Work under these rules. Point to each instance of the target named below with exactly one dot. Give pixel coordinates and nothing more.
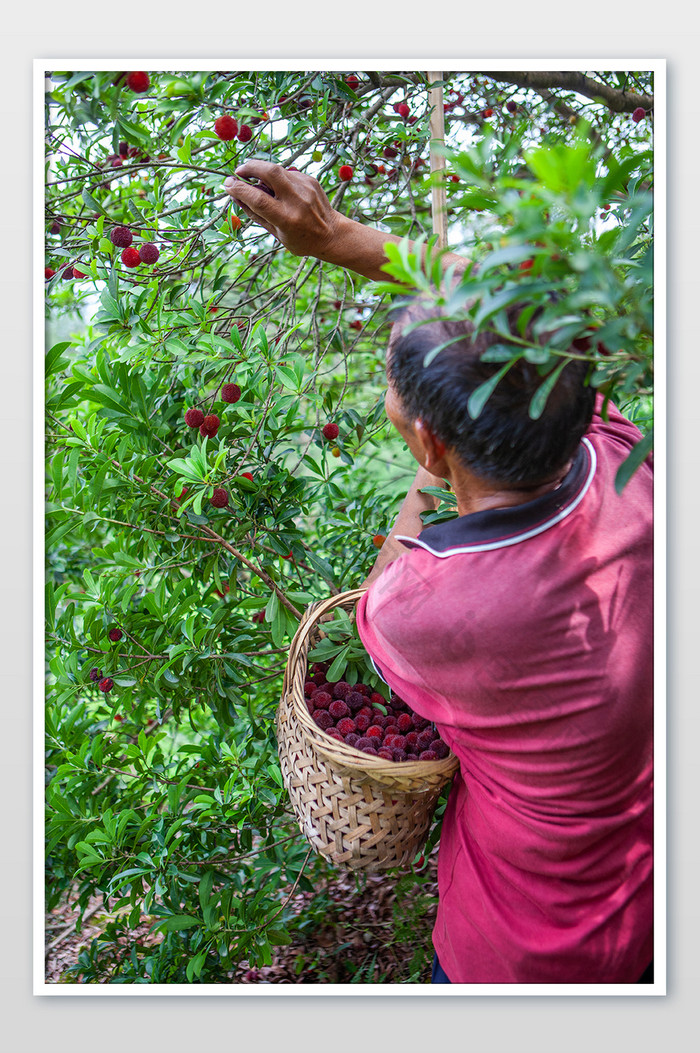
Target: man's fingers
(273, 175)
(249, 196)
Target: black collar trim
(501, 527)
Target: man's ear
(433, 447)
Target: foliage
(164, 793)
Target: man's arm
(408, 522)
(299, 214)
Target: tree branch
(615, 99)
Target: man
(523, 628)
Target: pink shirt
(526, 635)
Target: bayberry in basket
(321, 700)
(363, 689)
(441, 748)
(341, 689)
(425, 738)
(363, 741)
(362, 722)
(334, 734)
(428, 755)
(351, 739)
(309, 688)
(376, 699)
(323, 718)
(338, 709)
(369, 749)
(399, 755)
(385, 754)
(346, 725)
(374, 732)
(404, 722)
(412, 739)
(355, 701)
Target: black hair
(502, 444)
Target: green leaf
(634, 459)
(539, 399)
(92, 203)
(480, 396)
(54, 361)
(177, 922)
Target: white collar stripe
(486, 546)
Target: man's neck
(475, 494)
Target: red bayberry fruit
(138, 82)
(639, 114)
(131, 257)
(341, 689)
(115, 635)
(121, 237)
(106, 684)
(357, 324)
(398, 755)
(331, 431)
(95, 674)
(374, 731)
(346, 725)
(428, 755)
(235, 221)
(338, 709)
(210, 425)
(226, 127)
(194, 418)
(230, 393)
(309, 688)
(322, 699)
(378, 540)
(245, 133)
(351, 739)
(352, 82)
(67, 274)
(323, 719)
(404, 721)
(389, 152)
(48, 272)
(440, 748)
(219, 498)
(149, 252)
(248, 475)
(345, 173)
(488, 112)
(511, 106)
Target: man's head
(502, 445)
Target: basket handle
(311, 616)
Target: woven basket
(359, 811)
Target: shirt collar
(501, 527)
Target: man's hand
(298, 212)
